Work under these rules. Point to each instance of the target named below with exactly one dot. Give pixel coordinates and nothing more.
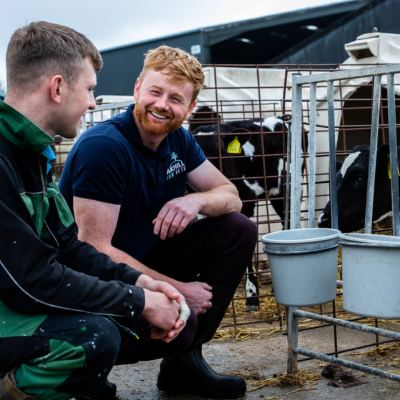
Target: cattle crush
(259, 92)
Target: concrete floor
(267, 356)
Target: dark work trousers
(70, 355)
(212, 250)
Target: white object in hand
(184, 311)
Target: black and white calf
(237, 167)
(352, 180)
(250, 167)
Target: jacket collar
(21, 131)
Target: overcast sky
(112, 23)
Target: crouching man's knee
(241, 230)
(82, 349)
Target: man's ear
(190, 110)
(57, 86)
(136, 89)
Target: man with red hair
(125, 179)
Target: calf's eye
(360, 180)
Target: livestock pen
(243, 92)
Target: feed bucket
(303, 264)
(371, 275)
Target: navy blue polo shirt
(109, 163)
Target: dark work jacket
(44, 268)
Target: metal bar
(393, 153)
(84, 127)
(349, 74)
(91, 119)
(332, 155)
(351, 349)
(372, 154)
(119, 104)
(335, 329)
(263, 151)
(218, 119)
(348, 364)
(295, 190)
(347, 324)
(310, 328)
(292, 323)
(288, 152)
(313, 121)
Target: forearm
(218, 201)
(120, 256)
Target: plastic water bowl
(371, 275)
(303, 264)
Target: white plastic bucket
(371, 275)
(303, 264)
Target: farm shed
(240, 92)
(259, 40)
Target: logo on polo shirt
(176, 167)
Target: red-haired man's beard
(156, 126)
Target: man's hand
(176, 214)
(198, 296)
(162, 314)
(172, 294)
(164, 287)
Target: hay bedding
(306, 379)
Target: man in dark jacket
(67, 312)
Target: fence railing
(292, 313)
(298, 82)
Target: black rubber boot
(188, 372)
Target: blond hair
(183, 66)
(40, 49)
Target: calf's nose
(324, 221)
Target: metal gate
(388, 71)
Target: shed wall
(329, 47)
(123, 65)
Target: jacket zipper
(44, 192)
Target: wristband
(184, 311)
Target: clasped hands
(165, 309)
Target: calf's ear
(243, 138)
(338, 165)
(382, 158)
(286, 117)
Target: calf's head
(352, 182)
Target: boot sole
(181, 388)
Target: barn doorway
(357, 113)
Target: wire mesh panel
(259, 94)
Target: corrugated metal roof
(218, 33)
(328, 45)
